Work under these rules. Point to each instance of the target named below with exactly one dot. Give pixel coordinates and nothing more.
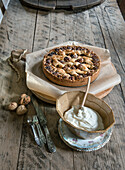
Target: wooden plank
(84, 27)
(50, 30)
(42, 33)
(108, 154)
(115, 39)
(91, 32)
(110, 36)
(111, 156)
(15, 31)
(79, 29)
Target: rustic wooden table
(21, 27)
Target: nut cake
(71, 65)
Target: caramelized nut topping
(57, 49)
(66, 59)
(80, 60)
(48, 60)
(73, 55)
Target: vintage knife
(43, 123)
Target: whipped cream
(84, 118)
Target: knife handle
(35, 134)
(50, 144)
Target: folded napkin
(36, 81)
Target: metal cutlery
(41, 135)
(29, 120)
(43, 123)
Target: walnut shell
(12, 106)
(21, 110)
(25, 99)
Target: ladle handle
(88, 85)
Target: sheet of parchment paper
(36, 80)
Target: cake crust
(71, 65)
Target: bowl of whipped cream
(88, 121)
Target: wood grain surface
(22, 27)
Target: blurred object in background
(121, 4)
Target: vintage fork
(41, 135)
(30, 122)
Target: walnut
(25, 99)
(21, 110)
(12, 106)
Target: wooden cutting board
(61, 4)
(51, 100)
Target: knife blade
(43, 123)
